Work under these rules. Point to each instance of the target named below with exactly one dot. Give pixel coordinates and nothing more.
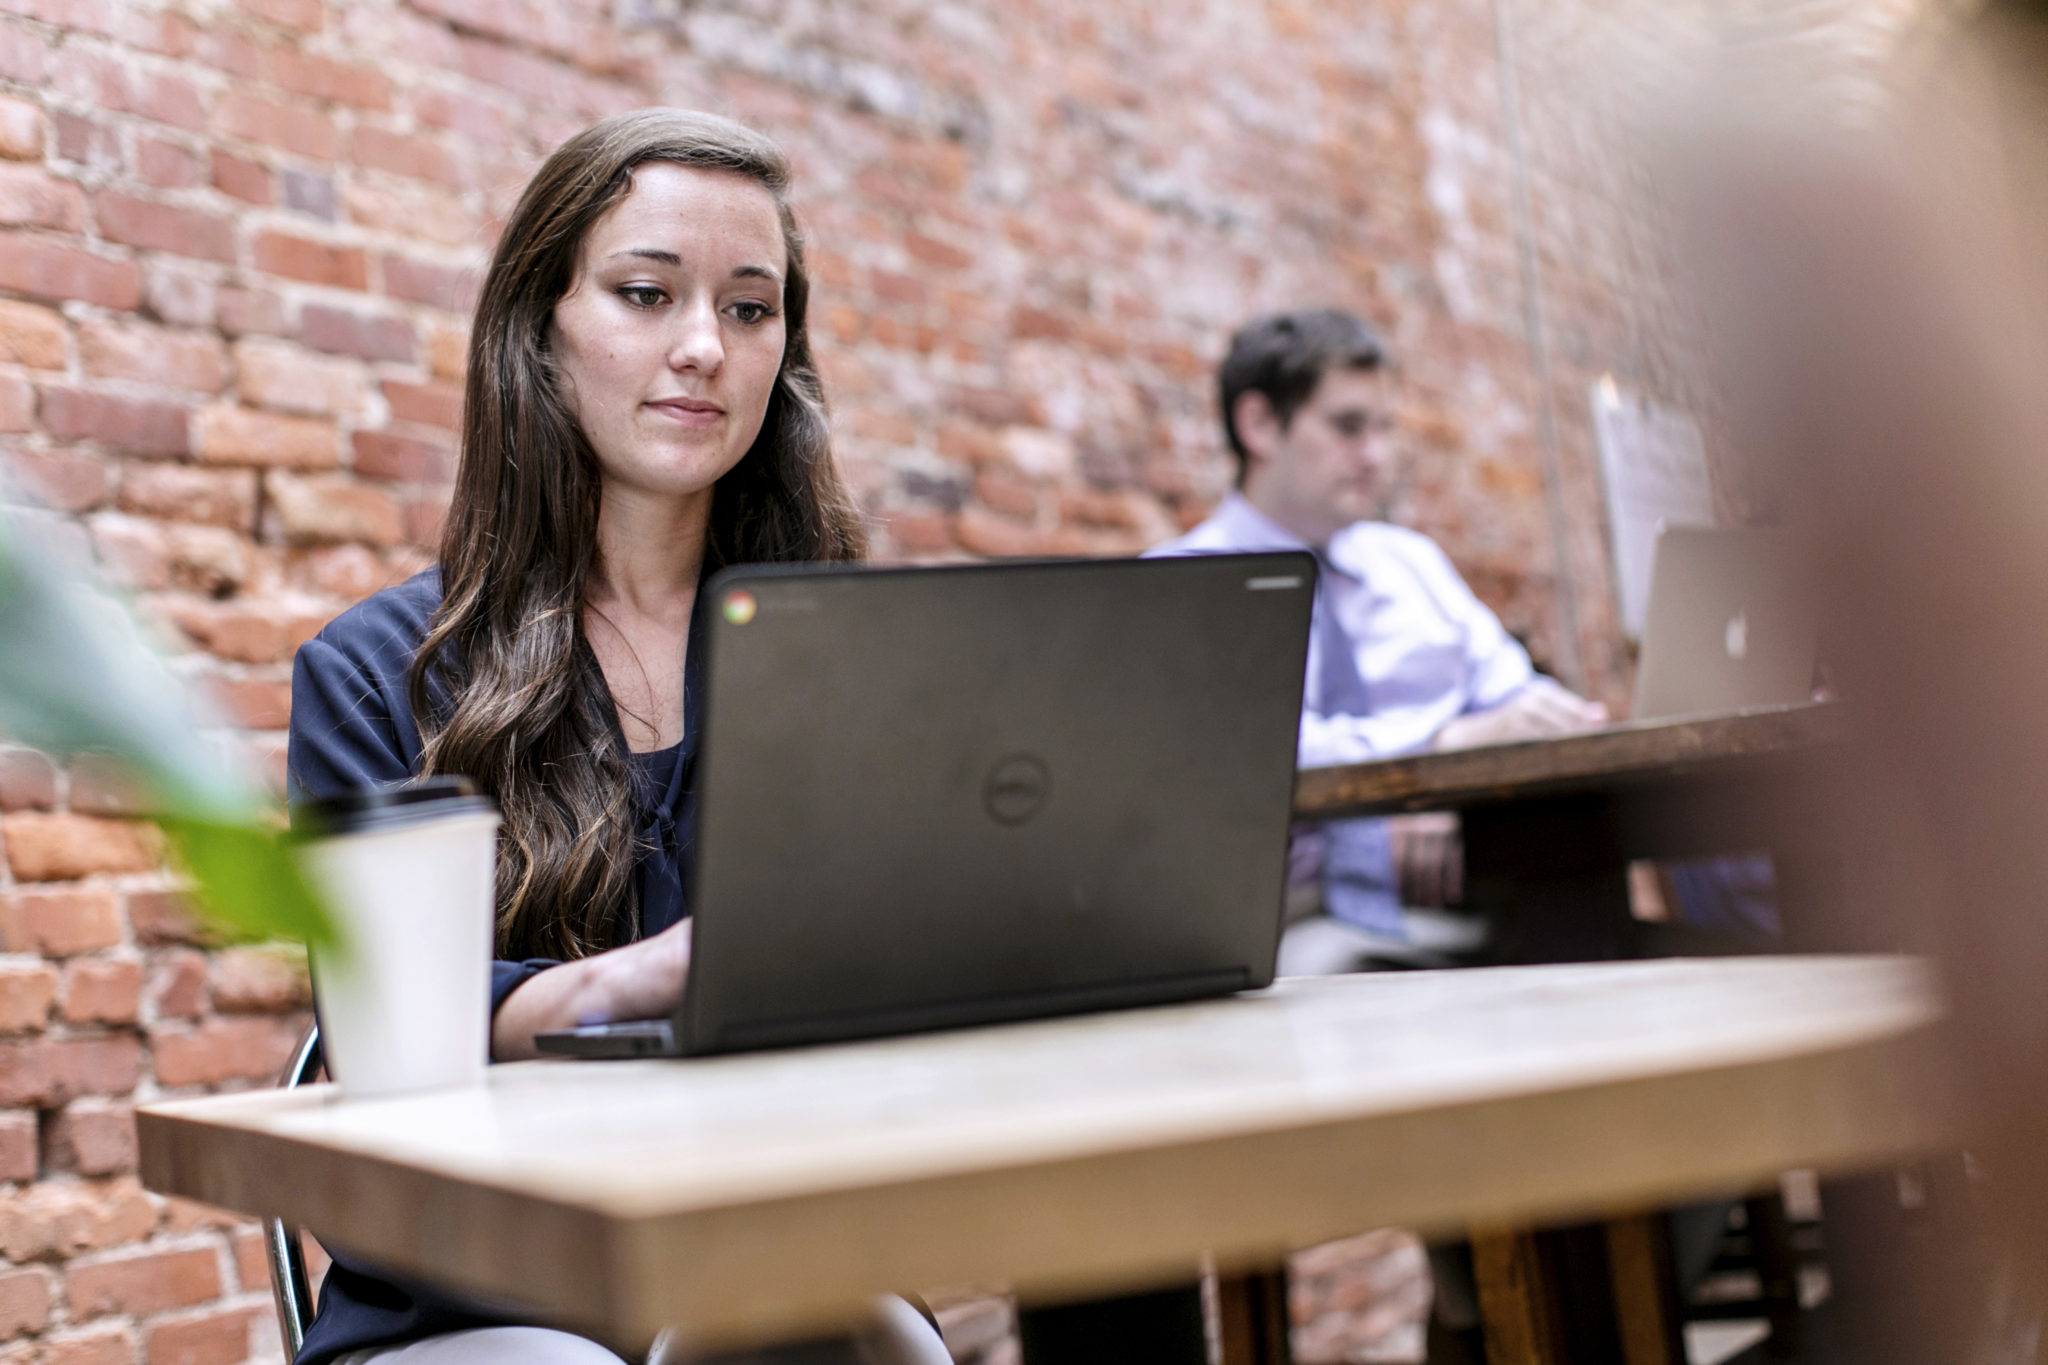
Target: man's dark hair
(1284, 356)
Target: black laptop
(936, 797)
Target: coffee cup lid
(381, 808)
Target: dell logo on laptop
(1016, 789)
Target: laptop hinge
(742, 1035)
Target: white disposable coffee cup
(410, 874)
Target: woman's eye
(641, 295)
(750, 312)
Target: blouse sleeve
(351, 729)
(343, 734)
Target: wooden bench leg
(1253, 1318)
(1777, 1266)
(1590, 1294)
(1517, 1309)
(1639, 1273)
(1162, 1325)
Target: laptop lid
(945, 796)
(1728, 625)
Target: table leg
(1253, 1318)
(1553, 876)
(1551, 871)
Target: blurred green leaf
(247, 878)
(75, 677)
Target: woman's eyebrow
(651, 254)
(740, 272)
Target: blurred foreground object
(75, 678)
(1880, 309)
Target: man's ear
(1258, 427)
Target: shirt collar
(1251, 529)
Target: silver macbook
(1728, 626)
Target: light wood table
(1550, 826)
(763, 1196)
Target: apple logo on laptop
(1016, 789)
(1737, 638)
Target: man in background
(1402, 656)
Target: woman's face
(671, 334)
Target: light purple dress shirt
(1398, 647)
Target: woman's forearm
(539, 1004)
(639, 981)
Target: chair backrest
(288, 1279)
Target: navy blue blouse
(352, 726)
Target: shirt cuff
(507, 977)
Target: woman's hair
(505, 685)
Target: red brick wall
(236, 245)
(239, 247)
(1597, 128)
(108, 997)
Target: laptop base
(611, 1042)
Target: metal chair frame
(289, 1282)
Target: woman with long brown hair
(642, 408)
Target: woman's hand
(639, 981)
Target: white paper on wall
(1654, 465)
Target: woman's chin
(679, 475)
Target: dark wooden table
(1550, 826)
